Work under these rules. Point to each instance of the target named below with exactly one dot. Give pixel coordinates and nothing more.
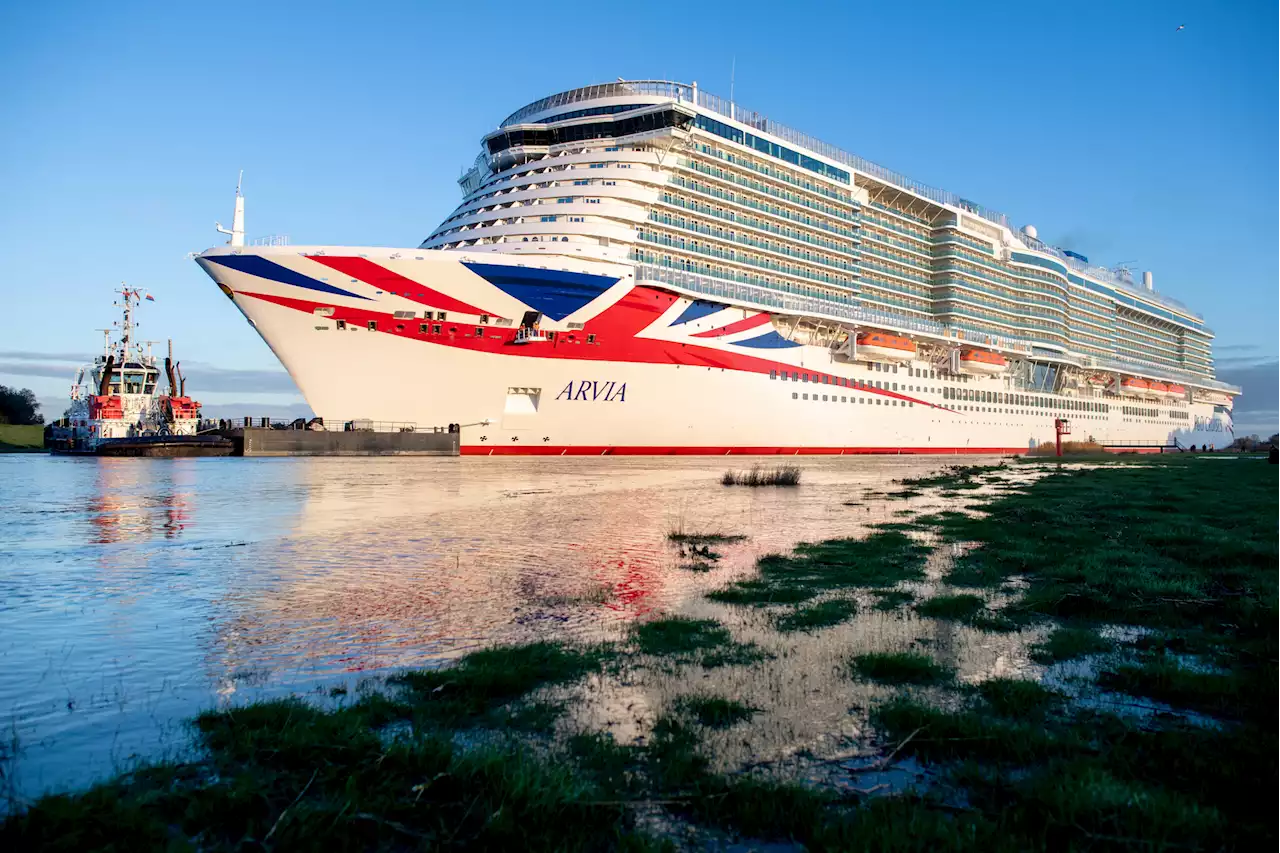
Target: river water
(135, 593)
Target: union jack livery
(641, 267)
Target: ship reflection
(132, 500)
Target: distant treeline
(19, 406)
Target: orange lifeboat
(1158, 389)
(1177, 392)
(1133, 387)
(983, 363)
(882, 346)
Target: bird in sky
(1180, 28)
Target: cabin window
(773, 374)
(591, 338)
(435, 330)
(794, 395)
(484, 319)
(804, 377)
(479, 332)
(423, 328)
(342, 324)
(373, 325)
(440, 315)
(806, 396)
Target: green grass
(783, 475)
(714, 711)
(892, 599)
(487, 679)
(953, 476)
(881, 559)
(17, 438)
(683, 640)
(959, 607)
(1016, 697)
(1069, 643)
(704, 538)
(817, 616)
(900, 668)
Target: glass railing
(768, 298)
(713, 192)
(730, 110)
(758, 224)
(765, 189)
(746, 240)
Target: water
(135, 593)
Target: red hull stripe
(740, 326)
(367, 271)
(617, 329)
(642, 450)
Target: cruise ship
(641, 267)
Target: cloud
(1257, 405)
(15, 368)
(207, 377)
(26, 355)
(200, 376)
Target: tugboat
(117, 410)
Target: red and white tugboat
(118, 409)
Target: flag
(150, 298)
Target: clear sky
(123, 125)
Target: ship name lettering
(591, 390)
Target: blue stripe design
(556, 293)
(697, 309)
(769, 340)
(263, 268)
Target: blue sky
(123, 125)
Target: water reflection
(136, 592)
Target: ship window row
(874, 233)
(779, 286)
(764, 146)
(911, 217)
(738, 257)
(694, 185)
(796, 395)
(760, 168)
(677, 221)
(758, 223)
(582, 132)
(752, 184)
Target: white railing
(270, 240)
(730, 110)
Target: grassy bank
(1147, 720)
(21, 439)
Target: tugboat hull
(157, 446)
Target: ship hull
(633, 368)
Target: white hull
(669, 387)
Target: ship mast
(237, 218)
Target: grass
(17, 438)
(892, 599)
(952, 476)
(960, 607)
(1069, 643)
(817, 616)
(715, 711)
(882, 559)
(682, 640)
(704, 538)
(485, 680)
(783, 475)
(900, 668)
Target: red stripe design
(615, 329)
(367, 271)
(739, 326)
(639, 450)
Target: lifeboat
(1177, 392)
(1158, 389)
(983, 363)
(882, 346)
(1133, 387)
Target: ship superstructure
(645, 267)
